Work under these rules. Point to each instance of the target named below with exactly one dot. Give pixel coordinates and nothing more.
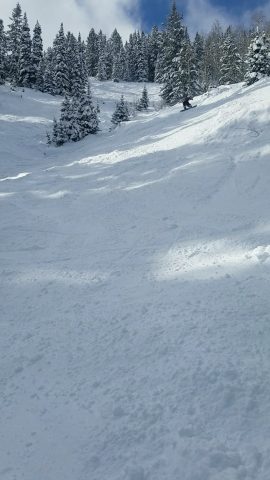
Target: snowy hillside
(135, 308)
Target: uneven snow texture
(135, 294)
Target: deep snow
(135, 335)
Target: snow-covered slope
(135, 309)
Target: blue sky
(154, 11)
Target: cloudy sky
(127, 15)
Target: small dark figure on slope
(186, 103)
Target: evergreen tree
(142, 58)
(102, 57)
(13, 44)
(230, 62)
(213, 51)
(258, 59)
(154, 42)
(76, 74)
(82, 60)
(119, 66)
(48, 79)
(102, 72)
(131, 58)
(37, 55)
(121, 113)
(40, 74)
(3, 65)
(170, 61)
(60, 63)
(198, 49)
(92, 53)
(184, 77)
(87, 115)
(25, 59)
(143, 103)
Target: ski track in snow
(135, 334)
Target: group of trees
(167, 56)
(78, 118)
(122, 111)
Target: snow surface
(135, 334)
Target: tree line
(166, 56)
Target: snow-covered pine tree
(198, 49)
(143, 103)
(230, 62)
(48, 79)
(82, 60)
(173, 39)
(184, 77)
(118, 57)
(66, 118)
(76, 76)
(87, 115)
(92, 53)
(74, 126)
(142, 58)
(131, 58)
(154, 41)
(258, 59)
(212, 55)
(37, 55)
(121, 113)
(53, 138)
(14, 43)
(40, 74)
(102, 57)
(102, 71)
(60, 63)
(25, 59)
(3, 66)
(126, 75)
(116, 43)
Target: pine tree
(48, 79)
(3, 65)
(102, 71)
(92, 53)
(76, 75)
(102, 57)
(82, 60)
(119, 65)
(198, 49)
(154, 42)
(230, 62)
(258, 59)
(121, 113)
(13, 44)
(131, 58)
(212, 56)
(142, 58)
(74, 126)
(25, 59)
(143, 103)
(60, 63)
(87, 115)
(40, 74)
(169, 62)
(37, 55)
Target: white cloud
(201, 14)
(77, 15)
